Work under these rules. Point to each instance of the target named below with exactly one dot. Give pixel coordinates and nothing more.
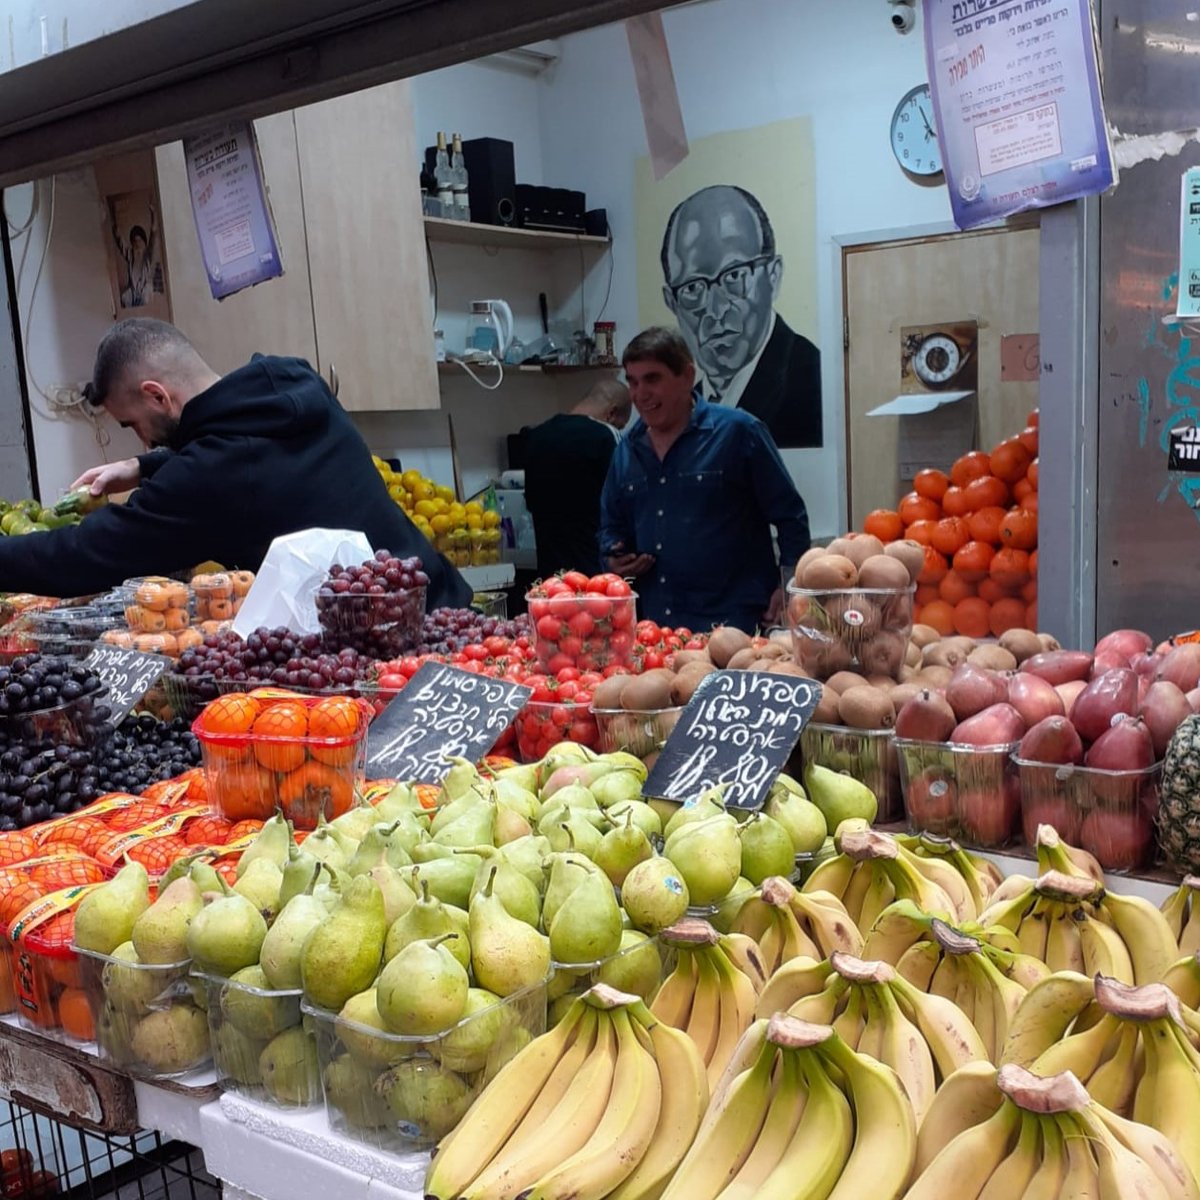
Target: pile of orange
(978, 525)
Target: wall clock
(937, 360)
(914, 138)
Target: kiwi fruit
(924, 635)
(910, 553)
(908, 674)
(1049, 642)
(963, 644)
(883, 654)
(607, 693)
(773, 649)
(934, 676)
(943, 654)
(687, 681)
(992, 658)
(784, 666)
(883, 571)
(858, 547)
(912, 655)
(803, 561)
(1021, 643)
(855, 617)
(866, 708)
(903, 692)
(828, 711)
(845, 679)
(645, 693)
(725, 642)
(685, 658)
(885, 682)
(742, 660)
(829, 573)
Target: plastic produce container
(632, 969)
(400, 1094)
(969, 793)
(149, 1019)
(850, 629)
(1112, 814)
(868, 755)
(378, 626)
(492, 604)
(41, 984)
(602, 633)
(219, 596)
(155, 604)
(640, 733)
(78, 722)
(260, 1047)
(250, 774)
(542, 724)
(188, 694)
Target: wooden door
(989, 277)
(366, 248)
(275, 317)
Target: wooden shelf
(506, 237)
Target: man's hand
(629, 564)
(775, 609)
(111, 477)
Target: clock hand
(928, 128)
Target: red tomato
(496, 645)
(597, 584)
(589, 680)
(571, 646)
(560, 660)
(621, 646)
(648, 634)
(582, 623)
(550, 629)
(651, 660)
(568, 690)
(583, 697)
(577, 581)
(556, 587)
(622, 617)
(618, 587)
(585, 732)
(538, 608)
(614, 668)
(392, 682)
(409, 665)
(567, 674)
(587, 662)
(476, 650)
(600, 607)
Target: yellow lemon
(426, 508)
(462, 558)
(473, 506)
(440, 523)
(491, 519)
(441, 505)
(397, 493)
(474, 520)
(444, 493)
(411, 478)
(423, 490)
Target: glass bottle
(441, 174)
(458, 180)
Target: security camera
(903, 16)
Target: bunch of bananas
(1003, 1134)
(708, 995)
(923, 1038)
(1182, 911)
(800, 1115)
(787, 924)
(603, 1105)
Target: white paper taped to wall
(662, 115)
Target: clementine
(931, 484)
(1009, 567)
(985, 524)
(954, 588)
(885, 524)
(950, 534)
(940, 616)
(935, 567)
(985, 492)
(921, 531)
(1019, 529)
(1006, 615)
(973, 560)
(337, 720)
(278, 735)
(915, 507)
(1029, 439)
(1010, 460)
(971, 617)
(1032, 474)
(971, 466)
(954, 502)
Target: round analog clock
(914, 138)
(937, 359)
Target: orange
(1006, 615)
(1030, 503)
(1010, 460)
(973, 560)
(1033, 562)
(940, 616)
(1031, 616)
(1028, 438)
(985, 524)
(950, 534)
(954, 588)
(1032, 474)
(985, 492)
(885, 524)
(971, 466)
(971, 617)
(926, 593)
(921, 531)
(281, 728)
(935, 567)
(1009, 567)
(954, 502)
(1029, 592)
(991, 591)
(229, 715)
(243, 793)
(1021, 489)
(1019, 529)
(336, 717)
(931, 484)
(918, 508)
(1032, 420)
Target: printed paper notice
(1016, 93)
(233, 218)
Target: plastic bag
(286, 585)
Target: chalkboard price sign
(441, 711)
(128, 675)
(738, 729)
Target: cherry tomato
(588, 662)
(572, 647)
(648, 634)
(577, 581)
(622, 616)
(568, 690)
(620, 646)
(582, 623)
(589, 680)
(392, 682)
(651, 660)
(556, 587)
(617, 587)
(496, 645)
(585, 732)
(567, 674)
(559, 661)
(583, 697)
(476, 651)
(550, 629)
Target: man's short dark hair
(661, 345)
(764, 223)
(124, 346)
(138, 231)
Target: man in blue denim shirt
(690, 498)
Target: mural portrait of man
(721, 278)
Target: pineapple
(1179, 808)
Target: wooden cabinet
(354, 296)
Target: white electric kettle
(490, 327)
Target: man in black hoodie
(239, 460)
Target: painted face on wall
(721, 282)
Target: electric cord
(489, 361)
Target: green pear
(838, 796)
(341, 956)
(236, 1055)
(506, 954)
(617, 787)
(528, 855)
(423, 990)
(803, 820)
(171, 1040)
(766, 848)
(105, 917)
(129, 985)
(708, 855)
(636, 968)
(587, 926)
(114, 1034)
(708, 804)
(180, 869)
(449, 875)
(575, 795)
(427, 919)
(422, 1093)
(567, 871)
(361, 1030)
(205, 877)
(408, 830)
(575, 833)
(476, 826)
(159, 935)
(398, 897)
(654, 895)
(262, 884)
(402, 799)
(621, 849)
(460, 780)
(523, 775)
(289, 1068)
(226, 934)
(247, 1003)
(564, 754)
(520, 897)
(356, 822)
(508, 793)
(449, 811)
(467, 1047)
(281, 950)
(510, 825)
(329, 845)
(378, 848)
(299, 875)
(350, 1089)
(271, 843)
(644, 817)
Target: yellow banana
(1047, 1180)
(1168, 1096)
(1189, 937)
(967, 1098)
(744, 1058)
(919, 963)
(673, 1003)
(743, 952)
(704, 1021)
(1047, 1012)
(1020, 968)
(877, 897)
(784, 940)
(832, 876)
(870, 1039)
(1009, 902)
(900, 926)
(850, 1024)
(979, 1008)
(946, 980)
(684, 1100)
(736, 1000)
(1014, 1174)
(794, 980)
(1082, 1178)
(1145, 932)
(1053, 854)
(821, 1007)
(952, 1039)
(963, 1168)
(825, 920)
(1063, 951)
(1176, 908)
(902, 1048)
(1104, 953)
(910, 884)
(498, 1111)
(1081, 1053)
(1183, 979)
(1114, 1082)
(1007, 996)
(1152, 1147)
(864, 877)
(1033, 933)
(1120, 1172)
(938, 871)
(623, 1134)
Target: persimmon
(926, 593)
(973, 465)
(1019, 529)
(931, 484)
(954, 502)
(950, 534)
(954, 588)
(940, 616)
(1010, 460)
(75, 1014)
(986, 492)
(1028, 438)
(315, 790)
(971, 617)
(885, 524)
(1009, 567)
(243, 792)
(278, 735)
(339, 719)
(984, 524)
(1006, 615)
(1032, 474)
(921, 531)
(973, 560)
(935, 567)
(918, 508)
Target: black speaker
(491, 180)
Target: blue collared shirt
(705, 513)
